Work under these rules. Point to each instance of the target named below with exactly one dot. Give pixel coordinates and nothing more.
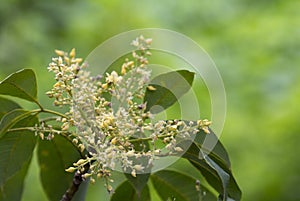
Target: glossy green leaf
(16, 150)
(54, 157)
(218, 158)
(175, 185)
(13, 187)
(126, 192)
(7, 106)
(215, 167)
(11, 118)
(169, 88)
(139, 182)
(218, 153)
(159, 100)
(224, 177)
(21, 84)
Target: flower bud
(92, 180)
(133, 173)
(41, 135)
(59, 52)
(72, 53)
(138, 167)
(173, 128)
(151, 88)
(109, 188)
(79, 162)
(78, 60)
(70, 169)
(178, 149)
(86, 175)
(148, 41)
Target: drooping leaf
(175, 185)
(167, 89)
(126, 192)
(224, 177)
(16, 148)
(219, 159)
(11, 118)
(21, 84)
(215, 167)
(54, 157)
(7, 106)
(218, 152)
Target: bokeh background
(254, 43)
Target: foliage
(253, 43)
(100, 140)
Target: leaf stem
(58, 132)
(48, 119)
(38, 104)
(47, 111)
(21, 129)
(53, 112)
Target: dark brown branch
(77, 180)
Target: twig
(77, 180)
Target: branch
(77, 180)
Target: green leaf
(21, 84)
(218, 153)
(11, 118)
(215, 167)
(159, 100)
(139, 182)
(169, 88)
(13, 187)
(54, 157)
(219, 159)
(7, 106)
(224, 177)
(126, 192)
(175, 185)
(16, 150)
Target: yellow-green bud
(151, 88)
(72, 53)
(59, 52)
(70, 169)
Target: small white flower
(178, 149)
(130, 153)
(113, 77)
(157, 151)
(138, 167)
(169, 146)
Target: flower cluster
(110, 116)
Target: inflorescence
(107, 118)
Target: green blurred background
(254, 43)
